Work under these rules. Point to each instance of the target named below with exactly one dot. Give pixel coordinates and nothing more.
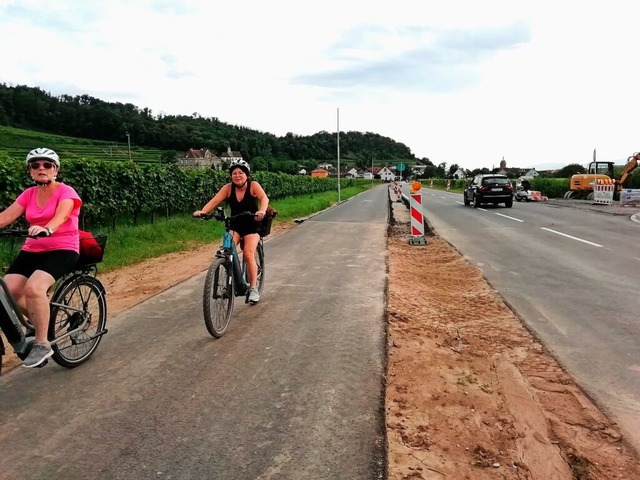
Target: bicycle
(227, 277)
(78, 310)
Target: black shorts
(55, 262)
(244, 226)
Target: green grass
(128, 245)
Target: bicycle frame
(11, 321)
(229, 250)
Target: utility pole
(371, 168)
(129, 144)
(338, 138)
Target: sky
(539, 83)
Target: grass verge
(128, 245)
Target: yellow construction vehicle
(601, 173)
(632, 164)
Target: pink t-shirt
(66, 236)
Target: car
(494, 188)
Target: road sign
(401, 167)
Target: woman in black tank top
(248, 203)
(243, 195)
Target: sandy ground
(470, 394)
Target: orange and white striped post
(417, 216)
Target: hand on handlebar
(37, 231)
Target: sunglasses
(37, 165)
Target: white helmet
(44, 154)
(241, 164)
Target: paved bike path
(293, 391)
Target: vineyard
(17, 142)
(116, 192)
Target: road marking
(636, 258)
(572, 237)
(510, 218)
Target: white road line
(572, 237)
(636, 258)
(510, 218)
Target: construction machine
(601, 173)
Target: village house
(230, 155)
(320, 173)
(200, 158)
(459, 174)
(385, 174)
(365, 173)
(352, 173)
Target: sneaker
(254, 296)
(38, 354)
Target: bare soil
(470, 394)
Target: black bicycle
(78, 310)
(227, 275)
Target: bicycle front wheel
(260, 266)
(217, 300)
(79, 305)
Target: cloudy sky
(467, 82)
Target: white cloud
(461, 82)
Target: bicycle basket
(264, 225)
(91, 248)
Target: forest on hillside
(84, 116)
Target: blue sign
(401, 167)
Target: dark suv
(489, 188)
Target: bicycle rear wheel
(79, 298)
(217, 299)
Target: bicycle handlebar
(20, 232)
(220, 215)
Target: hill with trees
(85, 117)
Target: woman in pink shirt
(52, 209)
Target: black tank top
(249, 203)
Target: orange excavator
(581, 184)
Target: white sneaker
(254, 295)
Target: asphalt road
(571, 273)
(294, 390)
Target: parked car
(492, 188)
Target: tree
(569, 170)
